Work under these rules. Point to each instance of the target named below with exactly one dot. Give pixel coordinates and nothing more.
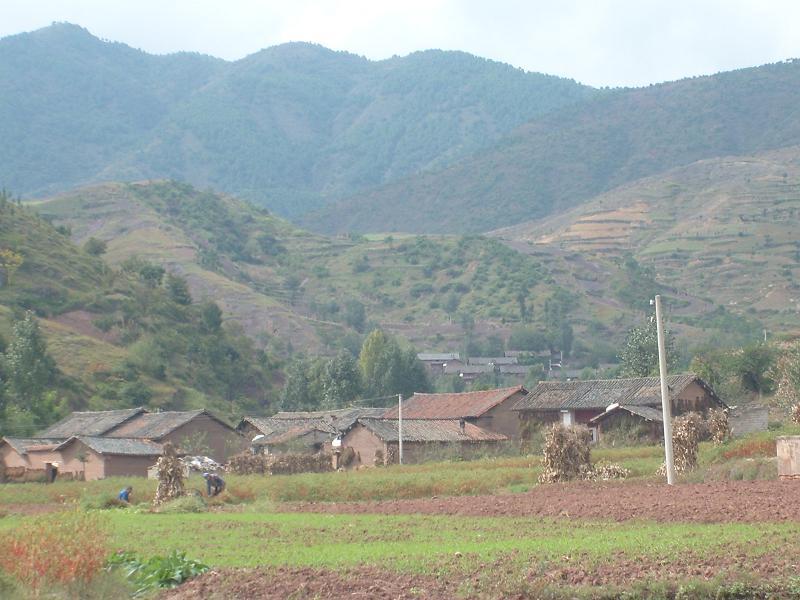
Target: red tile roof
(453, 406)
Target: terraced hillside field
(722, 229)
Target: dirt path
(743, 501)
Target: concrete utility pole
(400, 428)
(666, 407)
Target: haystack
(170, 476)
(687, 431)
(719, 430)
(566, 454)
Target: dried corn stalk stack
(687, 431)
(170, 476)
(607, 472)
(289, 464)
(718, 427)
(796, 414)
(248, 463)
(566, 454)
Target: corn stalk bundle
(347, 456)
(289, 464)
(687, 431)
(607, 472)
(796, 414)
(248, 463)
(566, 454)
(170, 476)
(718, 427)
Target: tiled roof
(492, 360)
(433, 356)
(117, 446)
(600, 393)
(515, 369)
(90, 423)
(333, 421)
(426, 430)
(22, 445)
(453, 406)
(155, 426)
(468, 369)
(646, 412)
(294, 433)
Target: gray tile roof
(425, 430)
(600, 393)
(93, 423)
(21, 445)
(433, 356)
(334, 421)
(646, 412)
(117, 446)
(492, 360)
(155, 426)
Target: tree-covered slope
(290, 127)
(121, 336)
(564, 158)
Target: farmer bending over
(125, 495)
(214, 483)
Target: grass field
(489, 556)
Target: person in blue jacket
(125, 495)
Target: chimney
(461, 424)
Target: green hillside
(724, 230)
(293, 291)
(289, 127)
(125, 336)
(564, 158)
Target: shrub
(158, 571)
(102, 502)
(185, 504)
(58, 549)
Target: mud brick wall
(788, 456)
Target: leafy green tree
(178, 290)
(387, 369)
(152, 275)
(639, 355)
(341, 381)
(211, 314)
(301, 390)
(754, 365)
(355, 315)
(95, 247)
(28, 366)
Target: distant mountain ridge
(564, 158)
(290, 127)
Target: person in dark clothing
(214, 484)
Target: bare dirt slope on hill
(724, 502)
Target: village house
(581, 402)
(436, 362)
(194, 432)
(492, 360)
(97, 444)
(375, 442)
(311, 431)
(489, 409)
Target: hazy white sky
(599, 42)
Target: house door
(567, 418)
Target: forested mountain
(290, 127)
(562, 159)
(115, 337)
